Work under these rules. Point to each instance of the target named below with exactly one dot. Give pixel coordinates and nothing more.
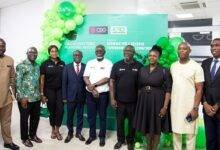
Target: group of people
(154, 99)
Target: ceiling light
(183, 16)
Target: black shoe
(12, 146)
(35, 139)
(102, 142)
(27, 143)
(68, 138)
(90, 140)
(130, 146)
(118, 145)
(80, 137)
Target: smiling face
(32, 54)
(153, 57)
(215, 48)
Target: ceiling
(204, 8)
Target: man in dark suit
(211, 102)
(74, 93)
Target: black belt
(150, 88)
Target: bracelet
(196, 108)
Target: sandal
(53, 135)
(59, 136)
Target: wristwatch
(196, 108)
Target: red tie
(77, 69)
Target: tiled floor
(49, 144)
(44, 131)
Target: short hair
(156, 48)
(3, 41)
(100, 46)
(78, 52)
(32, 48)
(216, 39)
(130, 46)
(51, 47)
(185, 43)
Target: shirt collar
(27, 61)
(76, 64)
(215, 59)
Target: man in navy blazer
(74, 93)
(211, 102)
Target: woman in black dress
(152, 114)
(51, 89)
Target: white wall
(20, 26)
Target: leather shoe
(12, 146)
(130, 146)
(27, 143)
(118, 145)
(68, 138)
(35, 139)
(80, 137)
(102, 142)
(90, 140)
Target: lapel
(208, 69)
(217, 73)
(72, 69)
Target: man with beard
(96, 77)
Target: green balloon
(66, 10)
(78, 19)
(172, 58)
(170, 48)
(57, 33)
(175, 41)
(70, 25)
(55, 42)
(163, 42)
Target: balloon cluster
(61, 19)
(169, 53)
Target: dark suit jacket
(211, 88)
(73, 85)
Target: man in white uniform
(188, 78)
(96, 77)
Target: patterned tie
(77, 69)
(213, 69)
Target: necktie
(77, 69)
(213, 69)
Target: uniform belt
(150, 88)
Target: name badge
(50, 66)
(134, 69)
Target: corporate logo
(98, 30)
(119, 30)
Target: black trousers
(94, 106)
(55, 106)
(123, 111)
(212, 130)
(71, 107)
(33, 112)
